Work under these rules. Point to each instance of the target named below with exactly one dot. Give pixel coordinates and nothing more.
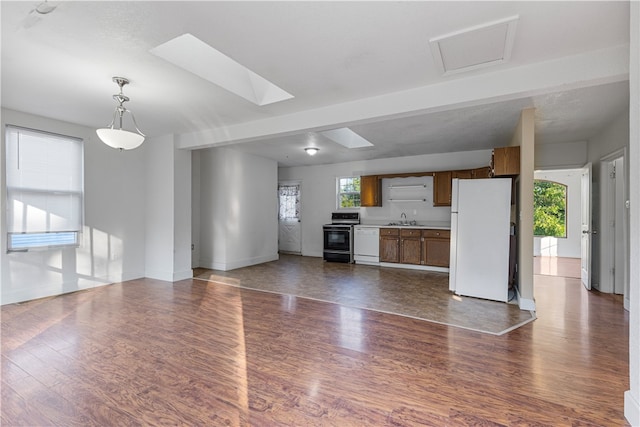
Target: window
(44, 189)
(289, 202)
(549, 209)
(349, 192)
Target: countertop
(432, 225)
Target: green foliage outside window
(549, 209)
(349, 192)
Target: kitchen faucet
(403, 215)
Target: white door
(585, 258)
(289, 218)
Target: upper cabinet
(370, 191)
(505, 161)
(442, 188)
(462, 174)
(484, 172)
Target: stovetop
(346, 218)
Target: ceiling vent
(475, 47)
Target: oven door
(337, 238)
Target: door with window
(289, 230)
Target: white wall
(159, 210)
(568, 246)
(238, 209)
(113, 239)
(318, 191)
(524, 136)
(182, 206)
(168, 210)
(632, 396)
(195, 208)
(565, 155)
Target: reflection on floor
(150, 352)
(556, 266)
(412, 293)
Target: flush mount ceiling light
(45, 8)
(120, 138)
(311, 150)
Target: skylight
(192, 54)
(346, 137)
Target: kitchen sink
(403, 224)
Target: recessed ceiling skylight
(347, 138)
(475, 47)
(194, 55)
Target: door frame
(586, 226)
(608, 208)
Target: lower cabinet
(389, 245)
(415, 246)
(435, 247)
(410, 246)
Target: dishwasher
(366, 244)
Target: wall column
(524, 137)
(632, 396)
(168, 210)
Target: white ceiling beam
(572, 72)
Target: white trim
(414, 267)
(631, 409)
(182, 275)
(223, 266)
(525, 303)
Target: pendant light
(118, 137)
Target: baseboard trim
(525, 303)
(226, 266)
(631, 409)
(182, 275)
(414, 267)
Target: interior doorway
(558, 247)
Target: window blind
(44, 188)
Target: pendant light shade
(118, 137)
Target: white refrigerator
(480, 237)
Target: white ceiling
(365, 65)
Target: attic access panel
(475, 47)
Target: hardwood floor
(556, 266)
(412, 293)
(147, 352)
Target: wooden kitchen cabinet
(442, 188)
(435, 247)
(505, 161)
(389, 245)
(410, 246)
(462, 174)
(484, 172)
(370, 191)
